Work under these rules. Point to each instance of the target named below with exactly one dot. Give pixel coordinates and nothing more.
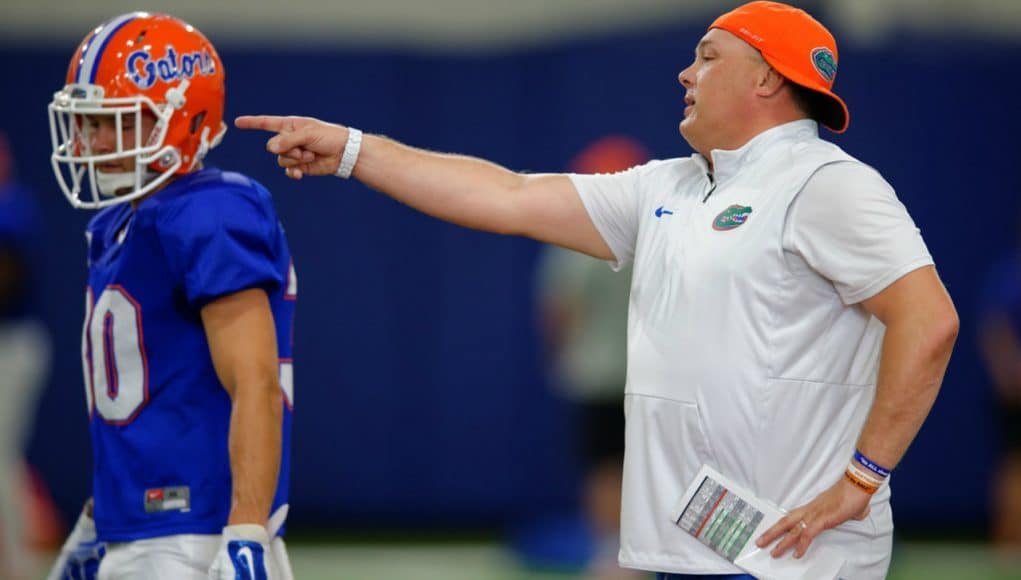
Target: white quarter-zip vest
(740, 356)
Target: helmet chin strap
(110, 183)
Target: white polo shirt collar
(727, 163)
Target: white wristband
(350, 157)
(855, 468)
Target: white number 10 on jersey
(114, 360)
(114, 356)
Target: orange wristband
(860, 483)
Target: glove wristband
(246, 532)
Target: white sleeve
(612, 202)
(849, 226)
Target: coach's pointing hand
(303, 146)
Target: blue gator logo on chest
(731, 217)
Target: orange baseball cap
(796, 45)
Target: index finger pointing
(272, 123)
(288, 141)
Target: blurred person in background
(190, 298)
(24, 362)
(1000, 344)
(786, 323)
(583, 314)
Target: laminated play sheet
(728, 519)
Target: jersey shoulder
(218, 232)
(211, 200)
(209, 187)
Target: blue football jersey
(158, 415)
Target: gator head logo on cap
(824, 63)
(731, 217)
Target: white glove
(247, 551)
(244, 554)
(80, 555)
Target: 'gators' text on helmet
(131, 66)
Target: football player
(186, 344)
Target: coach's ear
(769, 81)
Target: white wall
(477, 24)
